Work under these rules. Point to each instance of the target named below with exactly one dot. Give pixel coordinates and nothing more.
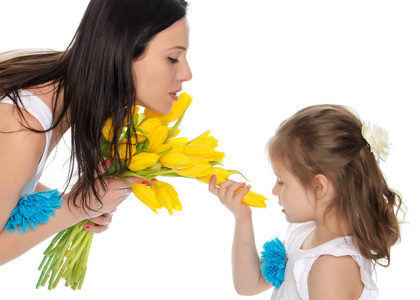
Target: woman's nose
(185, 73)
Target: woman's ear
(322, 186)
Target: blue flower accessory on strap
(33, 209)
(273, 259)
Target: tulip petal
(142, 161)
(147, 196)
(174, 159)
(253, 199)
(221, 174)
(198, 170)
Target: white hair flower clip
(377, 138)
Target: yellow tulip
(123, 145)
(140, 136)
(163, 118)
(147, 196)
(167, 196)
(176, 133)
(198, 150)
(205, 139)
(178, 107)
(253, 199)
(174, 159)
(203, 151)
(108, 130)
(162, 148)
(157, 137)
(134, 111)
(142, 161)
(178, 141)
(197, 170)
(221, 174)
(149, 125)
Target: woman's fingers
(101, 223)
(102, 168)
(104, 219)
(96, 228)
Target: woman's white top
(299, 264)
(37, 108)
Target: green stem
(175, 127)
(125, 181)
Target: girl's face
(299, 203)
(159, 73)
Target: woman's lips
(174, 96)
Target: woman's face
(161, 70)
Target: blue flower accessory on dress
(273, 259)
(32, 210)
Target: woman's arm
(247, 277)
(20, 153)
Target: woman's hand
(111, 196)
(229, 197)
(101, 223)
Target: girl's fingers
(230, 192)
(212, 186)
(243, 192)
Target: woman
(124, 53)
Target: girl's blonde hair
(327, 139)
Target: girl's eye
(280, 182)
(173, 60)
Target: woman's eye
(173, 60)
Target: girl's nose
(275, 190)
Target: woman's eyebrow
(178, 47)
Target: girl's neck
(324, 232)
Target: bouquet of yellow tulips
(158, 151)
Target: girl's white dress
(299, 264)
(37, 108)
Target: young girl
(342, 213)
(124, 53)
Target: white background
(254, 64)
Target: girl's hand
(229, 197)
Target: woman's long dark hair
(94, 75)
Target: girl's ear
(322, 186)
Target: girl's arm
(335, 278)
(247, 277)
